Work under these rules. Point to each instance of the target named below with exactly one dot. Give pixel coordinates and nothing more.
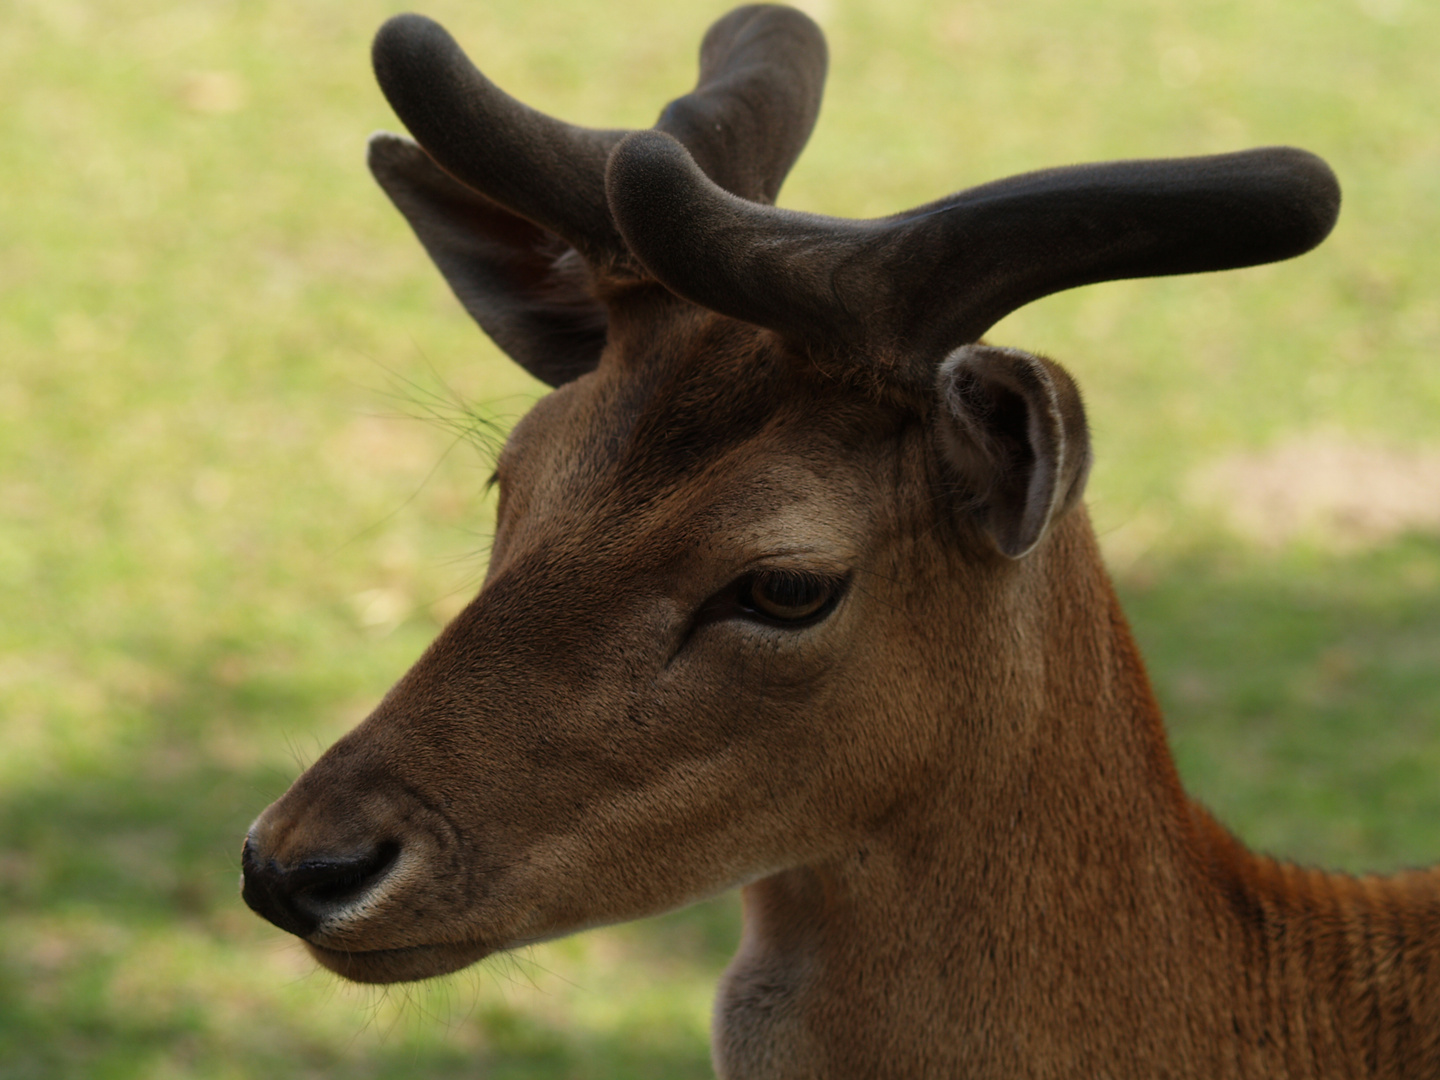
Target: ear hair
(1013, 428)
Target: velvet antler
(920, 283)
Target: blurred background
(244, 430)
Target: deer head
(785, 557)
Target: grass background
(226, 526)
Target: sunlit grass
(241, 486)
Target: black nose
(296, 898)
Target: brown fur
(967, 847)
(964, 847)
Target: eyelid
(797, 562)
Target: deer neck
(1073, 913)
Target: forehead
(706, 422)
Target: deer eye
(789, 598)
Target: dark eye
(789, 597)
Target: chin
(409, 964)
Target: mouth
(408, 964)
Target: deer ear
(525, 287)
(1013, 428)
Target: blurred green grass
(223, 531)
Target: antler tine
(762, 73)
(544, 169)
(945, 273)
(1016, 240)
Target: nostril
(298, 897)
(328, 882)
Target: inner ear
(525, 287)
(1013, 428)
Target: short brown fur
(963, 844)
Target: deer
(793, 589)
